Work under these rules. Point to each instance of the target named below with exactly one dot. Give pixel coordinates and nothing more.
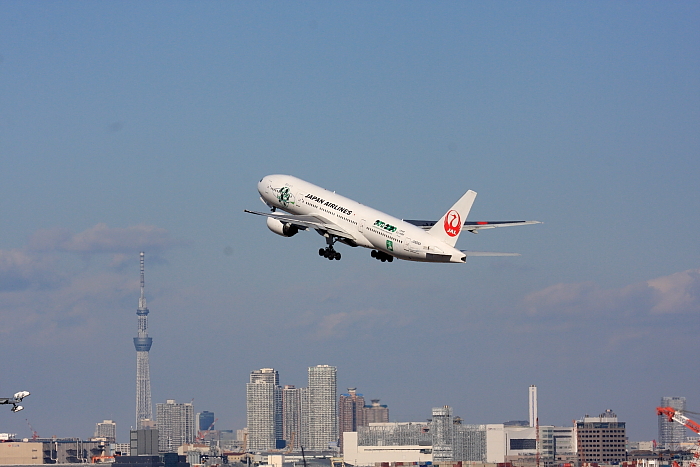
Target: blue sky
(129, 126)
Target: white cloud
(362, 323)
(103, 239)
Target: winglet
(450, 225)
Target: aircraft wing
(5, 401)
(487, 253)
(310, 221)
(474, 226)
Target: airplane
(15, 400)
(306, 206)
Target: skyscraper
(264, 409)
(144, 408)
(671, 434)
(350, 412)
(175, 425)
(319, 402)
(291, 416)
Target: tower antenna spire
(142, 300)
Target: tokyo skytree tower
(144, 408)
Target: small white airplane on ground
(15, 400)
(307, 206)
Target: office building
(175, 425)
(601, 439)
(107, 430)
(264, 410)
(671, 434)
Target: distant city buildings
(107, 430)
(671, 434)
(175, 425)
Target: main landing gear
(329, 252)
(381, 256)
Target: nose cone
(264, 185)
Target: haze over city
(128, 127)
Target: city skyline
(146, 127)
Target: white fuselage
(369, 227)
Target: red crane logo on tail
(453, 223)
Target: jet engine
(284, 229)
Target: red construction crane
(35, 435)
(674, 416)
(201, 434)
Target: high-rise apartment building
(350, 413)
(319, 409)
(175, 425)
(376, 413)
(264, 409)
(671, 434)
(291, 416)
(106, 429)
(601, 439)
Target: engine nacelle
(284, 229)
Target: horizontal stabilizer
(473, 226)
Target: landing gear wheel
(321, 252)
(337, 256)
(391, 258)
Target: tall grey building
(264, 409)
(319, 409)
(144, 407)
(671, 434)
(291, 416)
(175, 425)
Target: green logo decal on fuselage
(390, 245)
(284, 196)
